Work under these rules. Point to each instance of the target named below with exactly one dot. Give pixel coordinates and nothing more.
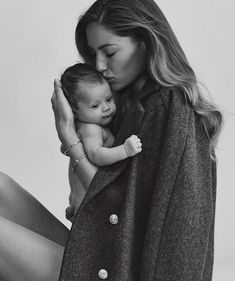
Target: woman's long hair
(166, 62)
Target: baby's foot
(70, 212)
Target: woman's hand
(64, 119)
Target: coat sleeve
(180, 233)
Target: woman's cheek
(117, 65)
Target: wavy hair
(166, 62)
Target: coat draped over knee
(149, 217)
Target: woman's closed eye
(107, 53)
(110, 55)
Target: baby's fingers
(139, 144)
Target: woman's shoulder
(168, 99)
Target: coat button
(103, 274)
(113, 219)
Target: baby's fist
(132, 146)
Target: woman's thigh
(26, 255)
(19, 206)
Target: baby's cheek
(114, 108)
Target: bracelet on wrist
(65, 152)
(74, 167)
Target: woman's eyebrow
(102, 46)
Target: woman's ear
(143, 45)
(143, 49)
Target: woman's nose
(101, 65)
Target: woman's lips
(109, 79)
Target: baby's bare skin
(77, 190)
(93, 112)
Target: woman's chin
(115, 86)
(118, 86)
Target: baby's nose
(106, 107)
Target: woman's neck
(138, 84)
(125, 101)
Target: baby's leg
(77, 193)
(19, 206)
(26, 255)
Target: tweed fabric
(164, 198)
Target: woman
(146, 218)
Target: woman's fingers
(56, 92)
(58, 95)
(57, 83)
(61, 104)
(64, 119)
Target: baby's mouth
(108, 116)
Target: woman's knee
(5, 183)
(9, 190)
(4, 177)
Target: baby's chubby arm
(102, 156)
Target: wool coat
(149, 217)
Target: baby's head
(88, 94)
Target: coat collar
(130, 125)
(150, 86)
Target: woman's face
(120, 59)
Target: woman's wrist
(69, 137)
(66, 150)
(76, 151)
(71, 144)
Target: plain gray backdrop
(37, 44)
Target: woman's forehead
(99, 36)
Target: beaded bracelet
(72, 145)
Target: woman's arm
(64, 122)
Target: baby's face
(95, 103)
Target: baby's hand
(132, 146)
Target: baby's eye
(95, 106)
(109, 98)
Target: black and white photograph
(117, 147)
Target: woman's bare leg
(19, 206)
(26, 255)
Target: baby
(93, 105)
